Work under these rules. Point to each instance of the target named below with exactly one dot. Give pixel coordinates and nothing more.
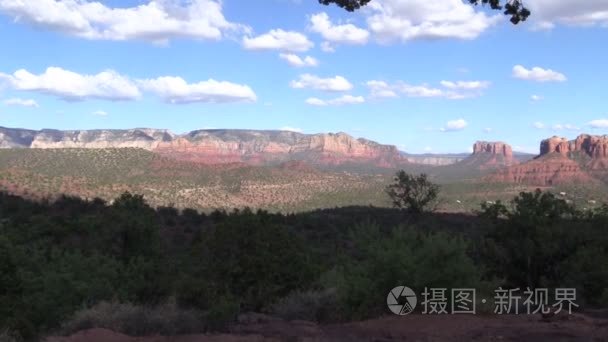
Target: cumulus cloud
(327, 47)
(71, 86)
(548, 13)
(176, 90)
(465, 85)
(279, 40)
(448, 90)
(569, 127)
(297, 61)
(157, 20)
(538, 125)
(21, 102)
(332, 84)
(381, 89)
(454, 125)
(341, 33)
(343, 100)
(407, 20)
(538, 74)
(599, 123)
(110, 85)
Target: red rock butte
(594, 146)
(498, 148)
(582, 160)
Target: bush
(315, 305)
(7, 336)
(401, 257)
(414, 193)
(166, 319)
(247, 258)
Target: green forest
(72, 264)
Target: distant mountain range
(253, 147)
(584, 159)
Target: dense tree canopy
(513, 8)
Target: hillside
(254, 147)
(106, 173)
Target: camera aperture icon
(401, 300)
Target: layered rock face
(497, 148)
(547, 171)
(216, 146)
(594, 146)
(490, 155)
(584, 159)
(258, 147)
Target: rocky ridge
(582, 160)
(216, 146)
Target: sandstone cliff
(593, 146)
(584, 159)
(490, 155)
(217, 146)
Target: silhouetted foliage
(413, 193)
(543, 241)
(513, 8)
(60, 259)
(349, 5)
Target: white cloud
(536, 98)
(291, 129)
(547, 13)
(538, 74)
(380, 89)
(327, 47)
(342, 100)
(333, 84)
(423, 19)
(157, 20)
(297, 61)
(451, 90)
(21, 102)
(100, 113)
(488, 130)
(465, 85)
(599, 123)
(313, 101)
(344, 33)
(177, 91)
(454, 125)
(279, 40)
(569, 127)
(423, 90)
(71, 86)
(538, 125)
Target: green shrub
(136, 320)
(401, 257)
(313, 305)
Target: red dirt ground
(408, 328)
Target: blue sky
(427, 78)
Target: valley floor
(576, 327)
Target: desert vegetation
(72, 264)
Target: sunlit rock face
(561, 161)
(216, 146)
